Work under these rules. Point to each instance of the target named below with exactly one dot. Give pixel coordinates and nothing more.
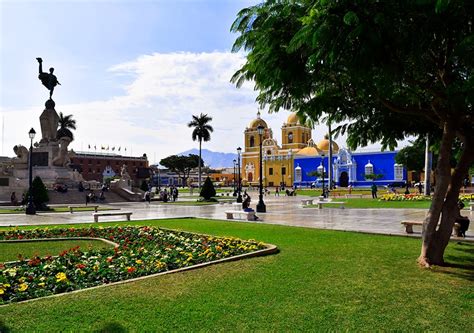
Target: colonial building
(300, 161)
(99, 166)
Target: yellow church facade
(278, 160)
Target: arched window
(398, 171)
(269, 152)
(369, 169)
(290, 137)
(252, 141)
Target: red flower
(131, 269)
(80, 266)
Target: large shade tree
(202, 131)
(382, 69)
(181, 165)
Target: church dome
(257, 122)
(324, 145)
(293, 119)
(310, 150)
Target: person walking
(374, 191)
(277, 192)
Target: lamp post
(261, 205)
(239, 182)
(233, 179)
(30, 208)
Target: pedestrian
(277, 192)
(374, 191)
(147, 197)
(420, 188)
(175, 194)
(349, 188)
(88, 199)
(13, 199)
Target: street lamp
(261, 205)
(233, 179)
(30, 208)
(239, 183)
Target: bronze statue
(47, 79)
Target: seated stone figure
(21, 153)
(63, 160)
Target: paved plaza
(281, 210)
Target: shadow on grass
(111, 328)
(3, 327)
(461, 263)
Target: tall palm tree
(202, 131)
(65, 124)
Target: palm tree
(202, 131)
(65, 124)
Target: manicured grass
(374, 203)
(54, 210)
(321, 280)
(12, 251)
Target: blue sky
(132, 72)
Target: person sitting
(13, 199)
(462, 220)
(246, 206)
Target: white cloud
(150, 117)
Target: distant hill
(213, 159)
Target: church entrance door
(344, 179)
(250, 177)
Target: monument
(50, 156)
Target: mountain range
(213, 159)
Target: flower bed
(404, 197)
(141, 251)
(417, 197)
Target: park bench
(320, 203)
(96, 215)
(230, 214)
(409, 226)
(71, 208)
(307, 202)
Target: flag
(95, 147)
(107, 148)
(89, 146)
(113, 148)
(119, 148)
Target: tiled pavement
(280, 210)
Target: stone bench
(409, 226)
(96, 215)
(307, 202)
(321, 203)
(230, 214)
(71, 208)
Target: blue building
(311, 163)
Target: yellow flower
(139, 261)
(160, 265)
(2, 291)
(61, 277)
(41, 284)
(23, 287)
(218, 248)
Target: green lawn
(54, 210)
(321, 280)
(11, 251)
(374, 203)
(317, 192)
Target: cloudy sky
(132, 73)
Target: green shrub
(40, 194)
(144, 186)
(208, 191)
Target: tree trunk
(199, 165)
(444, 201)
